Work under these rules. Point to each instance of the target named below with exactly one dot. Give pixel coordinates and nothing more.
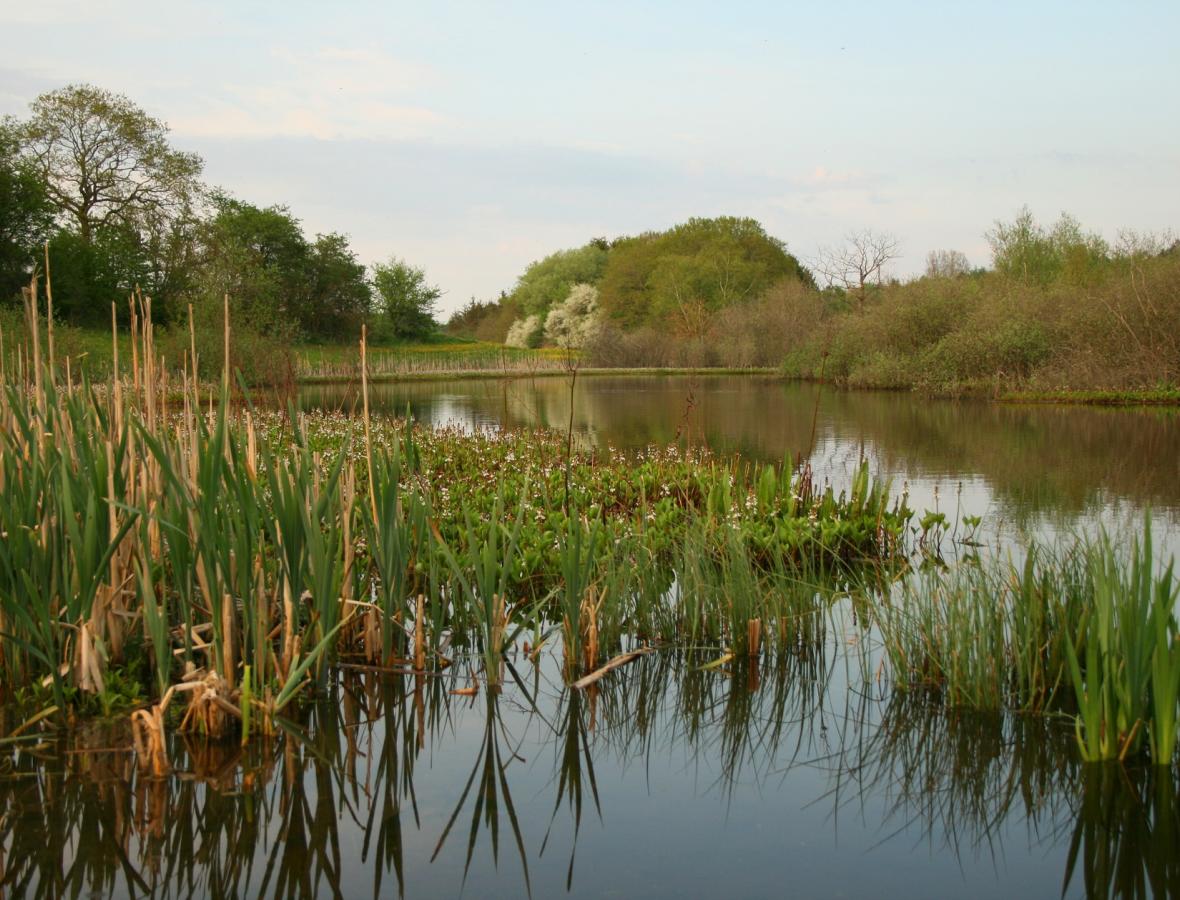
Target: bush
(262, 359)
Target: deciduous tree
(406, 298)
(104, 161)
(856, 263)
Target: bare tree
(946, 264)
(860, 260)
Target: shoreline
(1083, 397)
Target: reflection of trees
(1035, 458)
(286, 818)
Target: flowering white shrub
(574, 321)
(523, 332)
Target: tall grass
(1090, 629)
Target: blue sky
(472, 138)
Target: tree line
(93, 177)
(1058, 308)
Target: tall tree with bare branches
(860, 260)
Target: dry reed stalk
(753, 637)
(290, 645)
(621, 660)
(499, 623)
(88, 665)
(368, 430)
(227, 636)
(33, 316)
(225, 371)
(589, 617)
(49, 314)
(419, 636)
(135, 384)
(150, 748)
(210, 708)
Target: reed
(237, 555)
(1090, 628)
(1125, 656)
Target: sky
(471, 138)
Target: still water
(809, 776)
(661, 781)
(1040, 467)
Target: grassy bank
(1147, 397)
(514, 373)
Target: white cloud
(329, 93)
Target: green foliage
(89, 276)
(1025, 251)
(130, 213)
(103, 160)
(275, 277)
(25, 214)
(405, 298)
(485, 321)
(681, 277)
(548, 281)
(1081, 320)
(260, 355)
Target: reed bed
(208, 564)
(1088, 630)
(337, 364)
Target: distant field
(343, 361)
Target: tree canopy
(104, 161)
(25, 213)
(261, 259)
(682, 276)
(548, 281)
(406, 299)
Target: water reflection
(1026, 461)
(665, 778)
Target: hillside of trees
(678, 283)
(1060, 308)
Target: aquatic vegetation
(1089, 629)
(218, 562)
(242, 553)
(1126, 668)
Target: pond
(665, 779)
(1031, 466)
(675, 775)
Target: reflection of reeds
(957, 778)
(492, 792)
(279, 816)
(1126, 834)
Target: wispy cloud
(328, 93)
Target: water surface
(661, 781)
(1032, 465)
